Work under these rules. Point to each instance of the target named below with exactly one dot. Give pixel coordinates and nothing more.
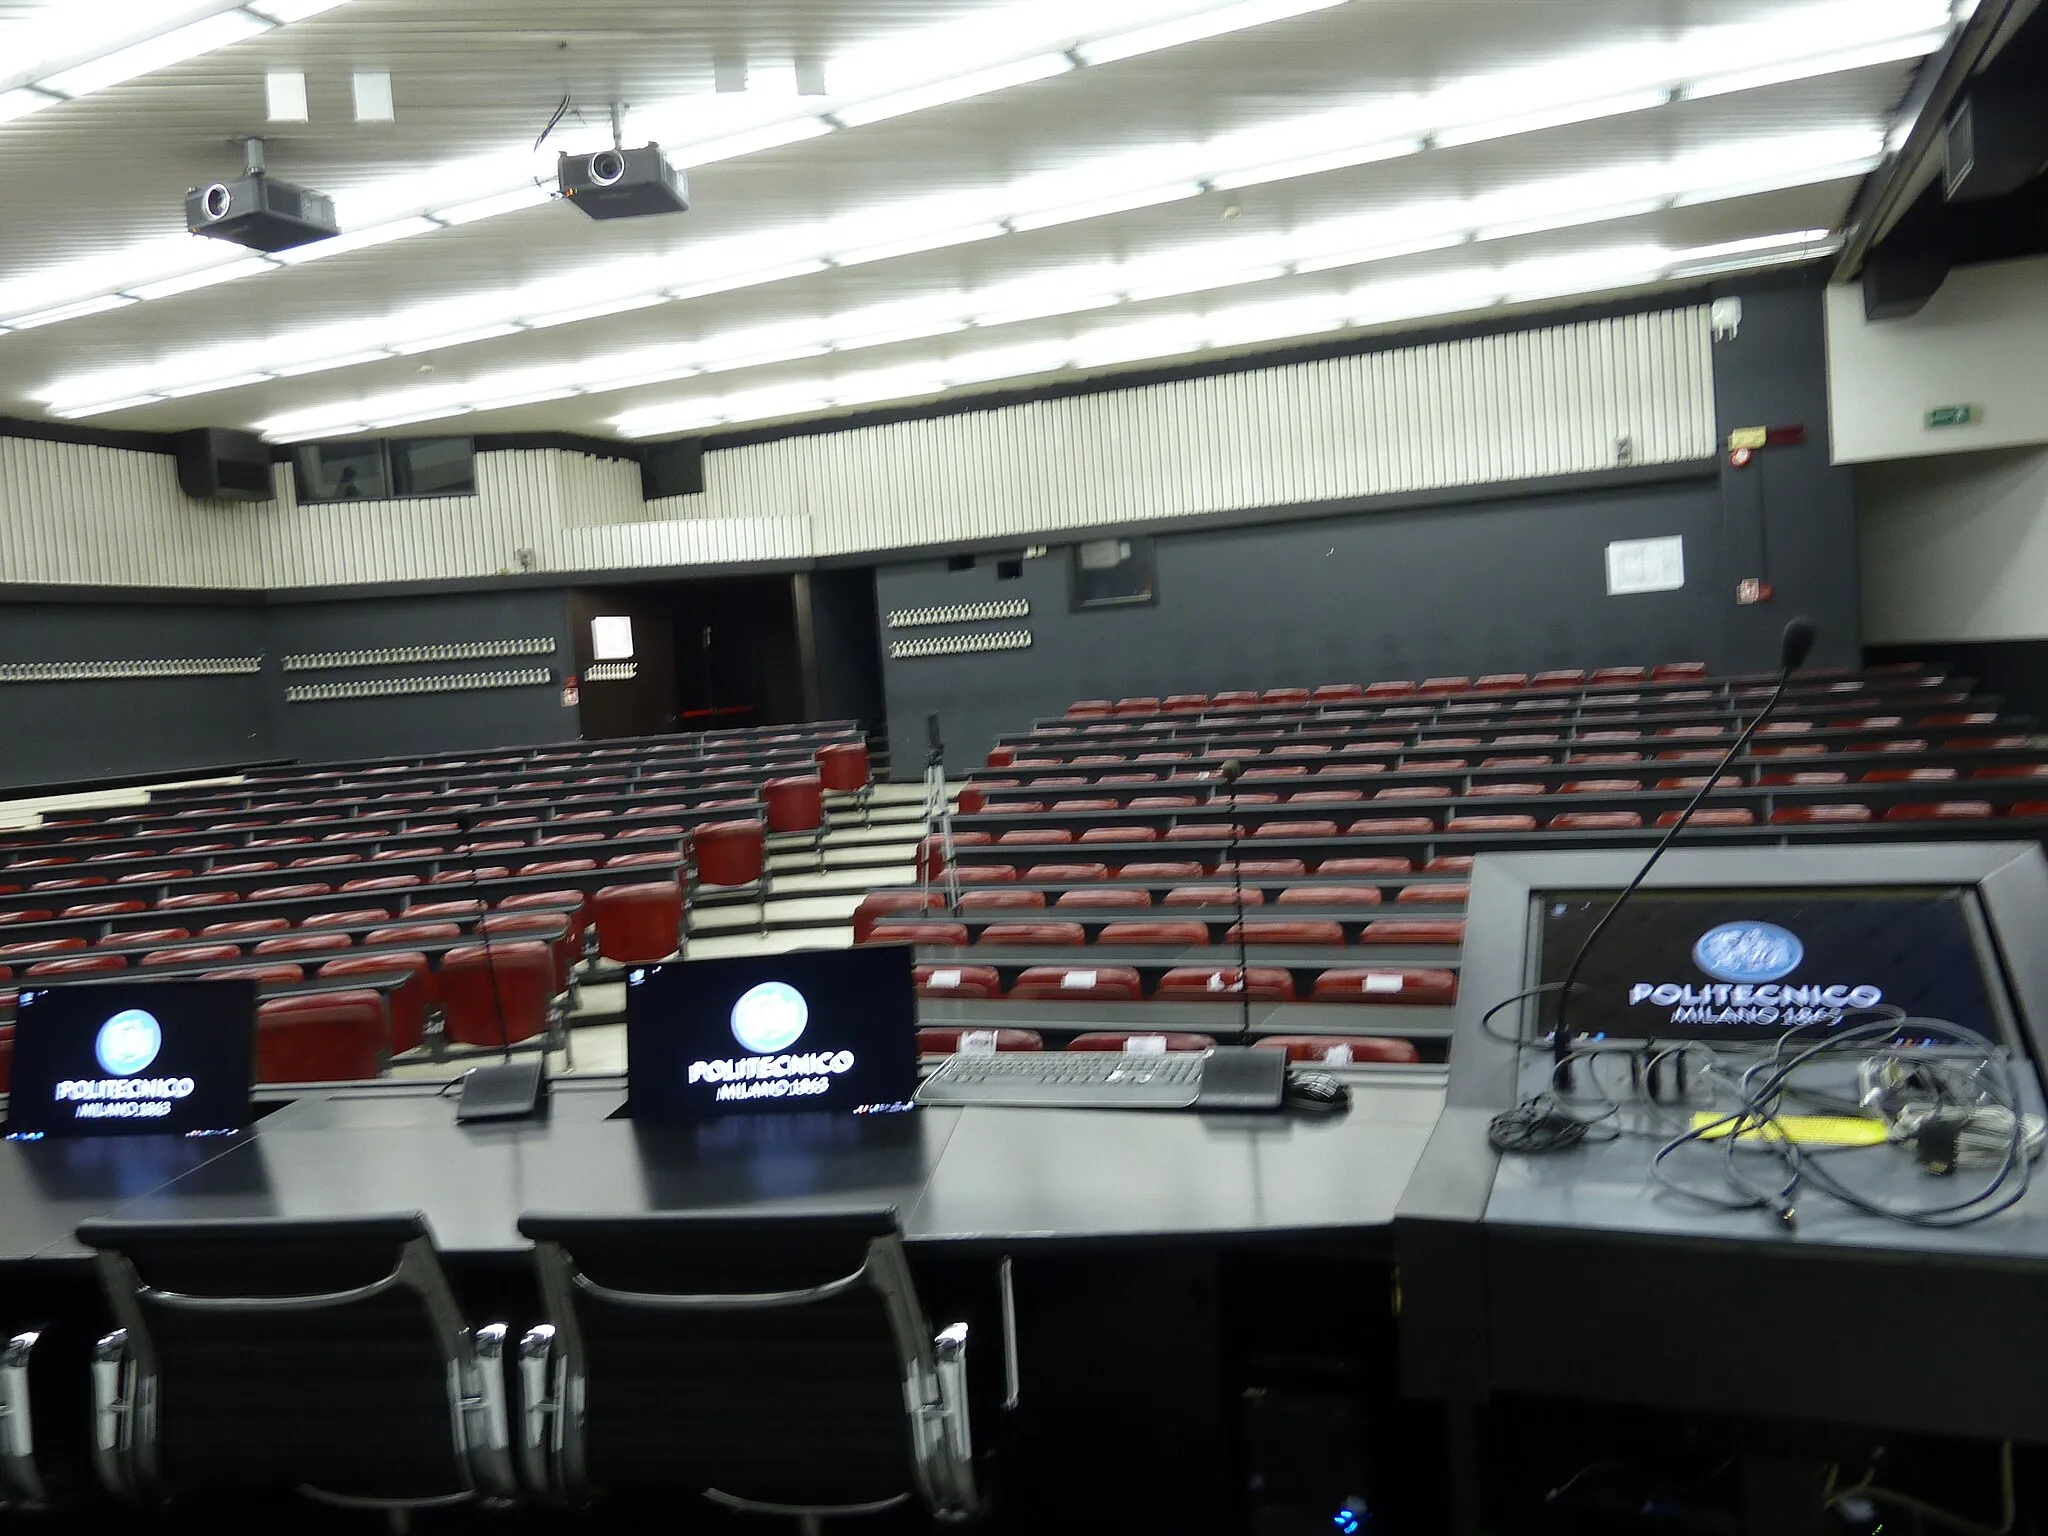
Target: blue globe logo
(128, 1042)
(1748, 951)
(769, 1017)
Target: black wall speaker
(216, 464)
(1895, 287)
(672, 469)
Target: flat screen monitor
(816, 1030)
(1749, 964)
(130, 1058)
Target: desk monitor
(1749, 964)
(133, 1057)
(816, 1030)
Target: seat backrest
(1078, 984)
(774, 1358)
(277, 1354)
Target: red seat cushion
(1378, 864)
(1287, 930)
(1295, 829)
(302, 944)
(1076, 983)
(321, 1037)
(1330, 896)
(1120, 835)
(1209, 983)
(1154, 931)
(1390, 826)
(1035, 836)
(944, 1039)
(899, 932)
(796, 804)
(1218, 895)
(347, 917)
(843, 766)
(1200, 832)
(730, 852)
(1113, 897)
(1263, 869)
(1037, 934)
(1414, 930)
(135, 936)
(1161, 870)
(407, 1003)
(1447, 891)
(191, 954)
(1596, 821)
(77, 965)
(1940, 810)
(1387, 984)
(189, 899)
(1120, 1039)
(636, 924)
(1001, 900)
(512, 979)
(943, 981)
(1340, 1050)
(1490, 824)
(877, 906)
(1058, 874)
(980, 874)
(246, 928)
(1790, 814)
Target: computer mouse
(1319, 1093)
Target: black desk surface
(955, 1175)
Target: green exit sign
(1951, 416)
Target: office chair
(327, 1356)
(21, 1486)
(778, 1364)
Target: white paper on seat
(1338, 1055)
(1145, 1045)
(1077, 981)
(976, 1042)
(943, 979)
(1380, 981)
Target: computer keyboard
(1108, 1080)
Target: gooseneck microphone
(1229, 772)
(1794, 646)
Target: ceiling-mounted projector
(623, 183)
(259, 212)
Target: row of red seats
(1330, 693)
(1378, 985)
(913, 905)
(974, 796)
(1166, 871)
(1185, 933)
(1329, 1050)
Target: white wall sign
(611, 638)
(1645, 565)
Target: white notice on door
(1645, 565)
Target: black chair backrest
(764, 1357)
(271, 1353)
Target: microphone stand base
(513, 1090)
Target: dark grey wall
(433, 722)
(1498, 586)
(1790, 515)
(849, 670)
(52, 733)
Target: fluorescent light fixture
(285, 12)
(1124, 202)
(325, 364)
(1565, 218)
(1196, 28)
(534, 397)
(387, 423)
(497, 203)
(284, 96)
(752, 141)
(456, 339)
(595, 311)
(63, 312)
(939, 93)
(106, 407)
(205, 277)
(913, 245)
(240, 381)
(732, 280)
(1782, 72)
(1317, 164)
(17, 104)
(358, 240)
(1552, 117)
(160, 52)
(788, 354)
(372, 91)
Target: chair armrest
(538, 1407)
(17, 1432)
(486, 1418)
(112, 1426)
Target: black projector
(623, 183)
(263, 214)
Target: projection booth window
(1114, 573)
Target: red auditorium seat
(1201, 832)
(461, 907)
(1137, 706)
(1105, 897)
(1154, 931)
(246, 928)
(1390, 826)
(1074, 983)
(1185, 703)
(302, 944)
(1120, 1040)
(2011, 771)
(1119, 834)
(348, 917)
(407, 1003)
(77, 965)
(556, 867)
(901, 932)
(636, 924)
(1490, 824)
(1340, 1050)
(1439, 686)
(1129, 776)
(1446, 892)
(1376, 864)
(1414, 930)
(321, 1037)
(1326, 796)
(878, 905)
(1295, 829)
(1793, 814)
(650, 860)
(1284, 696)
(144, 936)
(1907, 776)
(794, 804)
(1208, 984)
(192, 899)
(476, 981)
(1048, 874)
(1262, 869)
(39, 949)
(1336, 693)
(1287, 930)
(1090, 709)
(298, 892)
(191, 954)
(370, 883)
(1618, 675)
(1506, 788)
(1413, 792)
(1389, 689)
(945, 1039)
(1234, 698)
(1667, 670)
(1595, 821)
(551, 929)
(1001, 900)
(2028, 808)
(949, 981)
(1040, 934)
(1731, 816)
(270, 973)
(1330, 896)
(26, 915)
(1220, 895)
(1814, 777)
(1035, 837)
(1448, 863)
(1501, 682)
(1940, 810)
(103, 908)
(1386, 984)
(730, 853)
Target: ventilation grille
(612, 672)
(960, 645)
(111, 671)
(412, 655)
(960, 613)
(452, 682)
